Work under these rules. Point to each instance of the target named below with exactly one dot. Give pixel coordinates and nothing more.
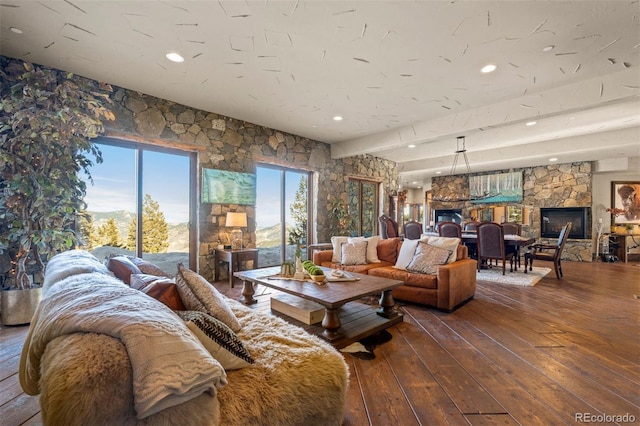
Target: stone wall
(558, 185)
(229, 144)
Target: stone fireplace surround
(558, 185)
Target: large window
(139, 181)
(282, 212)
(363, 207)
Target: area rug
(364, 349)
(529, 279)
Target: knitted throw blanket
(168, 363)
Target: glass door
(282, 212)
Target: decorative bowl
(318, 278)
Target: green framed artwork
(226, 187)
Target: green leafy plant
(47, 118)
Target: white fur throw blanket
(169, 365)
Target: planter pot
(18, 306)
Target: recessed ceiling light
(553, 159)
(15, 30)
(489, 68)
(548, 48)
(174, 57)
(530, 123)
(337, 118)
(412, 146)
(438, 173)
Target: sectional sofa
(445, 287)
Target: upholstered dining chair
(491, 245)
(388, 227)
(472, 247)
(449, 229)
(550, 252)
(412, 230)
(513, 228)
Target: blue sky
(166, 179)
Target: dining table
(471, 237)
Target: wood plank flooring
(514, 355)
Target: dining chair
(513, 228)
(412, 230)
(471, 226)
(491, 245)
(388, 227)
(550, 252)
(449, 229)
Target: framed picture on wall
(625, 203)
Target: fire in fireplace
(553, 219)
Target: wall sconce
(236, 221)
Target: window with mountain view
(135, 181)
(281, 213)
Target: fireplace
(448, 215)
(553, 219)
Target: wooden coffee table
(335, 297)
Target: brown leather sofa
(453, 285)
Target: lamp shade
(236, 219)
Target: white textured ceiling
(399, 72)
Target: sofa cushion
(140, 281)
(412, 279)
(407, 250)
(448, 243)
(122, 268)
(388, 250)
(427, 258)
(221, 342)
(199, 295)
(354, 253)
(372, 247)
(147, 267)
(336, 243)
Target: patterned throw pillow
(147, 267)
(221, 342)
(354, 253)
(198, 294)
(427, 258)
(372, 247)
(447, 243)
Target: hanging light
(460, 140)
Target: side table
(233, 259)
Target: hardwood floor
(513, 355)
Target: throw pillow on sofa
(147, 267)
(447, 243)
(407, 250)
(372, 247)
(198, 294)
(427, 258)
(221, 342)
(163, 290)
(122, 267)
(354, 253)
(336, 243)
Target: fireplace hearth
(553, 219)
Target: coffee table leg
(386, 305)
(247, 293)
(331, 324)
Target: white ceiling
(399, 72)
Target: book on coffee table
(298, 308)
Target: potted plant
(47, 118)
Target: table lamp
(237, 221)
